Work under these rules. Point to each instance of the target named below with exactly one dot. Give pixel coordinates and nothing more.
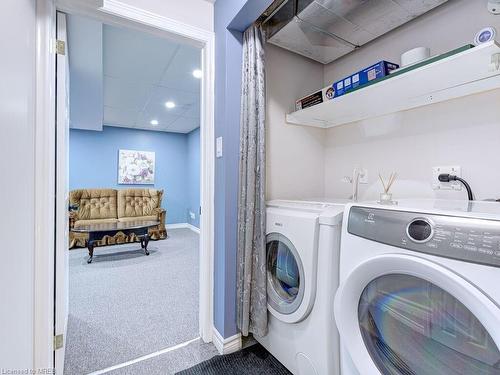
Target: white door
(61, 183)
(411, 316)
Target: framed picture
(136, 167)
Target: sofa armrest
(73, 216)
(162, 214)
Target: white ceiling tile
(141, 73)
(164, 119)
(183, 101)
(134, 55)
(120, 93)
(193, 111)
(179, 74)
(119, 116)
(184, 125)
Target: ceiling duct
(325, 30)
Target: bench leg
(144, 243)
(90, 247)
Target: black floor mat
(252, 360)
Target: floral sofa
(94, 206)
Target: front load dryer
(419, 289)
(303, 243)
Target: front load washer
(419, 289)
(303, 243)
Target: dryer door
(285, 275)
(414, 317)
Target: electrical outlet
(192, 215)
(454, 185)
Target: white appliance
(303, 243)
(420, 288)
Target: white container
(414, 56)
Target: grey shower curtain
(252, 277)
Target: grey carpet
(254, 360)
(125, 304)
(172, 362)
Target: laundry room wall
(464, 132)
(295, 154)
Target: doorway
(172, 31)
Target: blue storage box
(361, 78)
(350, 83)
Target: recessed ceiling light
(154, 122)
(170, 104)
(197, 73)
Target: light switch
(218, 147)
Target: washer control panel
(467, 239)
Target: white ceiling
(142, 72)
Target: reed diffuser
(386, 196)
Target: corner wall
(463, 132)
(193, 177)
(295, 158)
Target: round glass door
(285, 274)
(412, 327)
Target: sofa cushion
(138, 218)
(94, 203)
(81, 223)
(138, 202)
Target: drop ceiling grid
(142, 72)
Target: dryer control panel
(462, 238)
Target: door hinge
(58, 341)
(60, 47)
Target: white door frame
(111, 12)
(61, 272)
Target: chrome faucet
(357, 173)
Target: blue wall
(93, 163)
(232, 17)
(193, 178)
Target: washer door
(414, 317)
(285, 275)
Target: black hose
(445, 177)
(467, 187)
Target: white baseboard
(183, 226)
(177, 226)
(225, 346)
(193, 228)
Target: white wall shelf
(470, 72)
